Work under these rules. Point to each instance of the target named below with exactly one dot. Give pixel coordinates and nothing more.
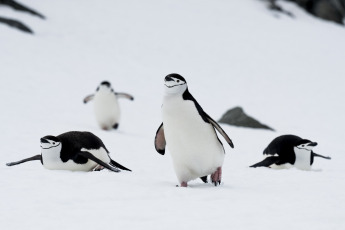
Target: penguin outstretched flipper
(114, 163)
(98, 161)
(124, 95)
(160, 140)
(36, 157)
(318, 155)
(88, 98)
(267, 162)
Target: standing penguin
(106, 106)
(75, 151)
(189, 134)
(288, 151)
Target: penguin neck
(51, 157)
(302, 158)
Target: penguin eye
(302, 145)
(178, 81)
(53, 143)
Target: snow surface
(286, 72)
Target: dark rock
(237, 117)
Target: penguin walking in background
(106, 106)
(190, 135)
(75, 151)
(289, 151)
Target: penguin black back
(283, 146)
(74, 141)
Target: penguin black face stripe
(174, 80)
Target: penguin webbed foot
(98, 168)
(216, 177)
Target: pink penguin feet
(216, 177)
(183, 184)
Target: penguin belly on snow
(189, 134)
(106, 106)
(74, 151)
(289, 151)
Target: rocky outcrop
(237, 117)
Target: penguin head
(50, 143)
(175, 84)
(305, 144)
(104, 86)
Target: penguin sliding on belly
(190, 135)
(106, 106)
(289, 151)
(75, 151)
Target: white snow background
(286, 72)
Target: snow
(286, 72)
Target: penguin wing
(318, 155)
(268, 161)
(88, 98)
(36, 157)
(114, 163)
(219, 129)
(98, 161)
(160, 142)
(124, 95)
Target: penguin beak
(312, 144)
(44, 141)
(167, 78)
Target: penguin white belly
(54, 162)
(107, 109)
(302, 159)
(192, 143)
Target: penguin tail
(204, 179)
(318, 155)
(266, 162)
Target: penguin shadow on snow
(106, 107)
(74, 151)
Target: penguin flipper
(88, 98)
(117, 165)
(318, 155)
(160, 142)
(220, 130)
(98, 161)
(268, 161)
(36, 157)
(124, 95)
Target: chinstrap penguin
(288, 151)
(75, 151)
(189, 134)
(106, 106)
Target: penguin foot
(98, 168)
(216, 177)
(183, 184)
